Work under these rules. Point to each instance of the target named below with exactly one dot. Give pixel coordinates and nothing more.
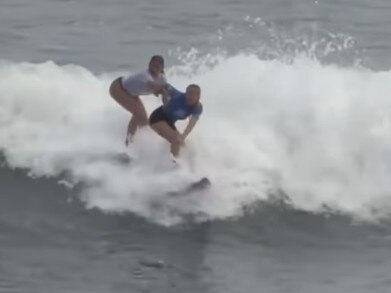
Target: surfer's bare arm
(192, 122)
(165, 96)
(155, 88)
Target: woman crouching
(177, 105)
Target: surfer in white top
(127, 89)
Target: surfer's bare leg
(171, 135)
(132, 128)
(138, 119)
(132, 104)
(174, 148)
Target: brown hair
(158, 58)
(196, 86)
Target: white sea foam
(319, 132)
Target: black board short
(159, 115)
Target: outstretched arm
(192, 122)
(167, 92)
(165, 96)
(155, 87)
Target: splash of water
(319, 132)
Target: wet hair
(193, 85)
(158, 58)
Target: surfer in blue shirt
(176, 106)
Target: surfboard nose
(204, 182)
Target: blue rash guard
(176, 108)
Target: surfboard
(116, 158)
(203, 183)
(198, 185)
(172, 202)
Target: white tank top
(137, 84)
